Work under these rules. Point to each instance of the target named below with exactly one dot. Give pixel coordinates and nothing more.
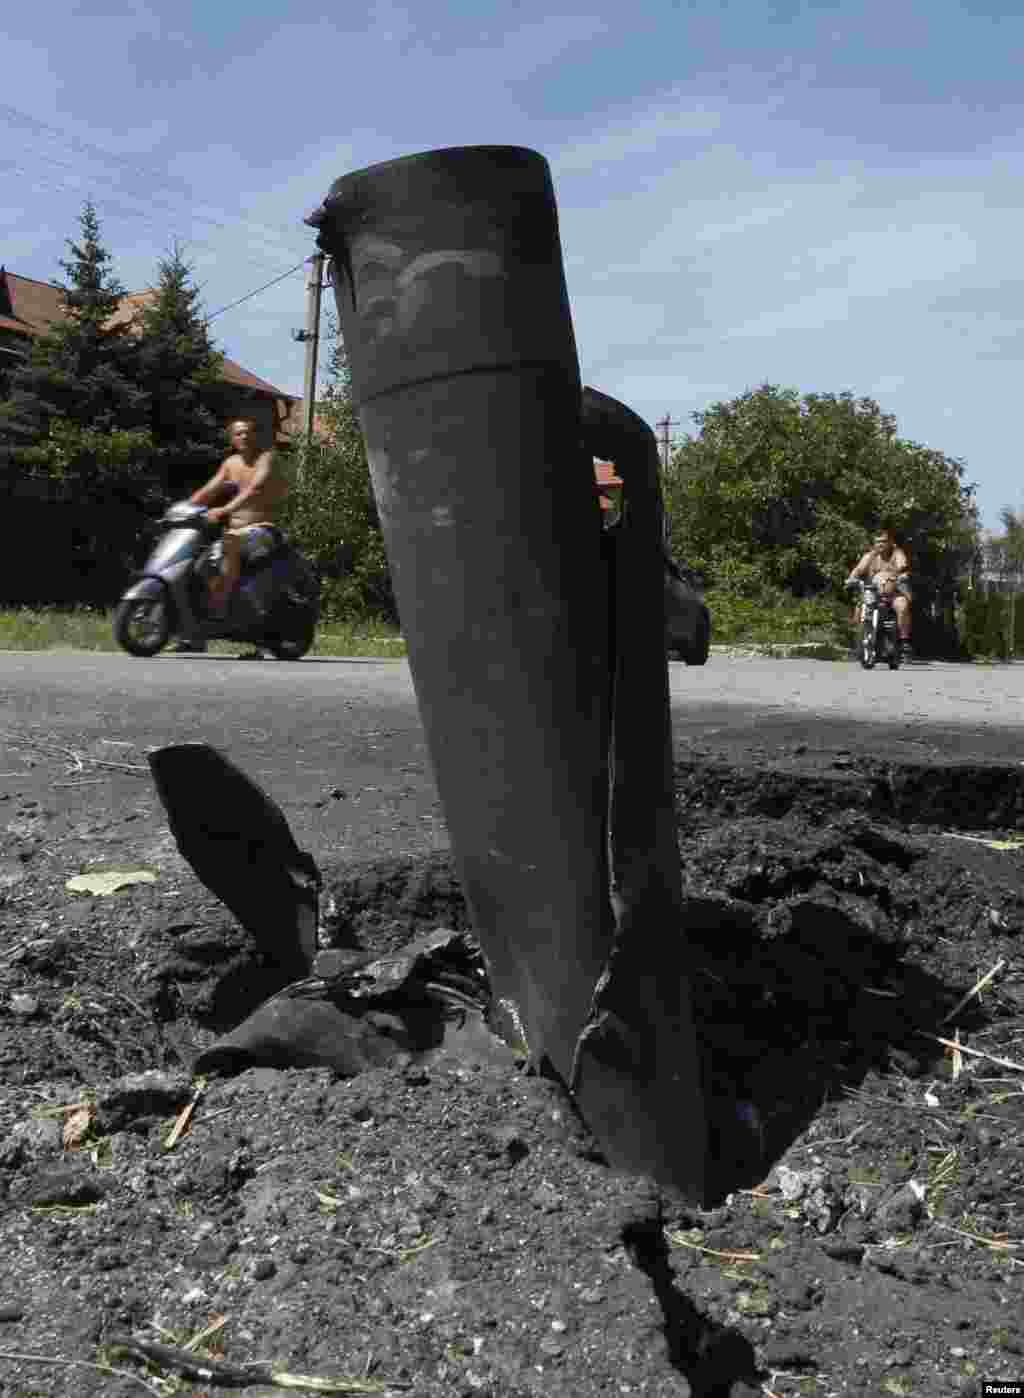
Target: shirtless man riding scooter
(887, 565)
(248, 517)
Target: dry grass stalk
(974, 990)
(405, 1253)
(958, 1060)
(65, 1109)
(77, 1364)
(162, 1330)
(999, 1243)
(240, 1376)
(212, 1116)
(945, 1168)
(72, 1210)
(998, 1099)
(839, 1140)
(77, 759)
(218, 1323)
(975, 1053)
(314, 1385)
(679, 1241)
(184, 1117)
(982, 840)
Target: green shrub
(774, 615)
(985, 621)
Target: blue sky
(828, 196)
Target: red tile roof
(234, 373)
(34, 306)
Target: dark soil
(447, 1223)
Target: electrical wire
(114, 212)
(112, 202)
(249, 295)
(16, 116)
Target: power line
(115, 211)
(249, 295)
(16, 116)
(113, 204)
(157, 205)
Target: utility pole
(666, 422)
(310, 337)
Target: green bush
(1015, 619)
(774, 615)
(995, 639)
(984, 624)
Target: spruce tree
(75, 369)
(73, 412)
(77, 422)
(177, 366)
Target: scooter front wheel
(142, 626)
(868, 651)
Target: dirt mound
(381, 904)
(447, 1223)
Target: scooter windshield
(175, 547)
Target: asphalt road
(171, 696)
(311, 729)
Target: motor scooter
(275, 606)
(879, 636)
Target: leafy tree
(177, 366)
(1006, 551)
(330, 511)
(778, 491)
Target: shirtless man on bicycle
(887, 565)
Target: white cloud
(745, 257)
(519, 52)
(29, 75)
(636, 134)
(775, 219)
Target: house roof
(27, 305)
(234, 373)
(30, 307)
